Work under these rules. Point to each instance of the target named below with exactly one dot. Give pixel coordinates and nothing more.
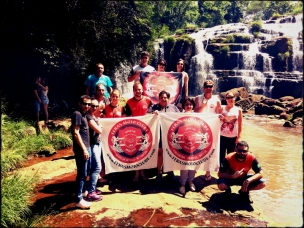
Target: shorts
(37, 106)
(239, 181)
(44, 100)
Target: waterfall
(121, 74)
(297, 55)
(159, 51)
(201, 65)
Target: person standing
(143, 66)
(81, 148)
(114, 109)
(36, 92)
(44, 98)
(99, 95)
(234, 171)
(162, 106)
(208, 103)
(93, 194)
(231, 126)
(187, 175)
(97, 78)
(138, 106)
(180, 66)
(161, 65)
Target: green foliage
(17, 145)
(278, 7)
(229, 39)
(179, 32)
(298, 8)
(256, 34)
(242, 38)
(276, 16)
(186, 38)
(16, 191)
(256, 26)
(191, 26)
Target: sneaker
(83, 204)
(245, 196)
(84, 194)
(93, 197)
(182, 190)
(98, 192)
(192, 187)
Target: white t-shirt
(147, 68)
(229, 126)
(211, 103)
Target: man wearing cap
(208, 103)
(234, 171)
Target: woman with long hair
(180, 67)
(161, 65)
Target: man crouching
(234, 171)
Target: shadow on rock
(220, 202)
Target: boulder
(284, 116)
(261, 109)
(298, 121)
(29, 131)
(288, 124)
(298, 114)
(276, 110)
(286, 98)
(43, 129)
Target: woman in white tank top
(231, 126)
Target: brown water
(279, 151)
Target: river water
(279, 151)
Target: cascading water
(248, 66)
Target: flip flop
(208, 178)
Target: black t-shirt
(94, 136)
(81, 120)
(35, 87)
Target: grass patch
(19, 139)
(16, 191)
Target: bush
(229, 39)
(276, 16)
(186, 38)
(179, 32)
(256, 26)
(242, 38)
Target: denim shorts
(37, 106)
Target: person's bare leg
(159, 161)
(46, 113)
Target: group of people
(102, 101)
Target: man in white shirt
(143, 66)
(208, 103)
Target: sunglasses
(189, 104)
(242, 151)
(180, 64)
(94, 106)
(229, 97)
(85, 104)
(208, 86)
(100, 90)
(162, 64)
